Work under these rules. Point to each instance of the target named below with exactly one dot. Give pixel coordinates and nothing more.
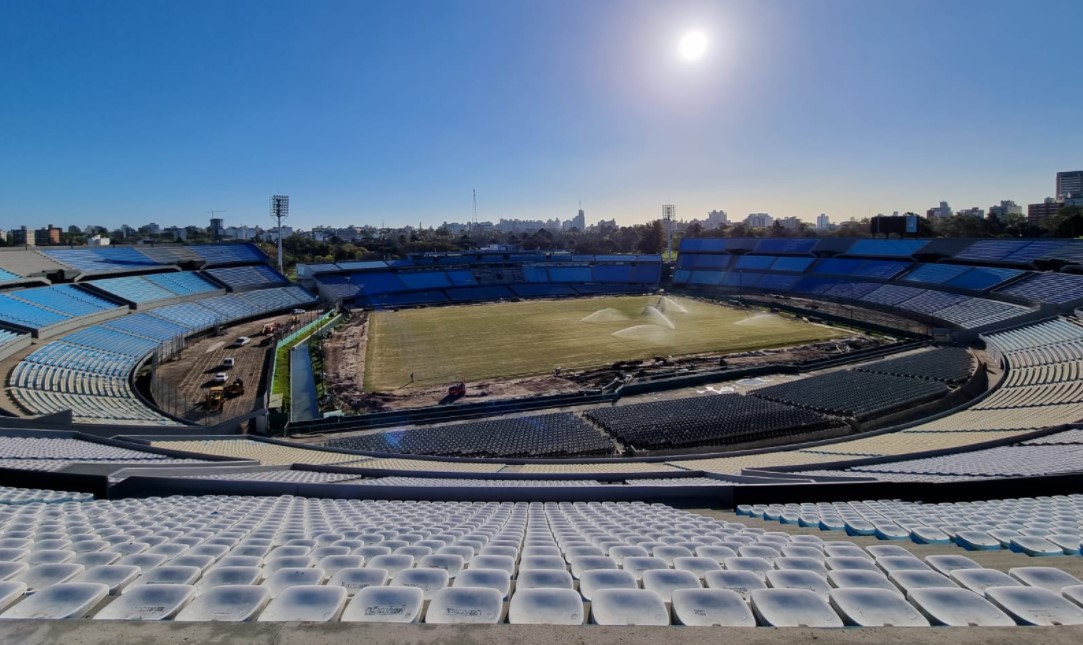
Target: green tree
(653, 238)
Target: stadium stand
(155, 288)
(331, 560)
(709, 420)
(244, 278)
(545, 435)
(947, 364)
(1038, 526)
(853, 394)
(86, 371)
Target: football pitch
(504, 340)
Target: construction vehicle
(269, 329)
(236, 388)
(459, 389)
(215, 399)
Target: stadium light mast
(668, 211)
(280, 210)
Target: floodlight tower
(668, 211)
(280, 210)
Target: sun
(693, 45)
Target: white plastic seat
(148, 602)
(1035, 605)
(801, 563)
(379, 604)
(50, 556)
(669, 552)
(908, 580)
(859, 578)
(145, 561)
(311, 603)
(638, 565)
(9, 570)
(755, 565)
(945, 564)
(699, 566)
(887, 551)
(428, 579)
(492, 578)
(114, 576)
(793, 608)
(620, 552)
(546, 606)
(12, 591)
(739, 582)
(957, 607)
(1046, 577)
(545, 579)
(93, 559)
(906, 563)
(353, 579)
(978, 580)
(167, 575)
(44, 575)
(628, 607)
(716, 552)
(61, 600)
(494, 562)
(529, 563)
(231, 576)
(597, 579)
(283, 579)
(459, 605)
(582, 563)
(665, 581)
(799, 579)
(14, 555)
(450, 562)
(875, 608)
(711, 607)
(1073, 593)
(271, 565)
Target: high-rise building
(1007, 207)
(759, 220)
(973, 212)
(823, 222)
(1038, 213)
(1069, 184)
(217, 228)
(790, 223)
(47, 236)
(943, 210)
(716, 219)
(22, 236)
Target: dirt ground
(183, 382)
(345, 366)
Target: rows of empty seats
(546, 435)
(20, 496)
(243, 278)
(1043, 526)
(148, 289)
(102, 260)
(853, 394)
(707, 420)
(56, 453)
(296, 559)
(7, 337)
(948, 364)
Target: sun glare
(693, 45)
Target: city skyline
(391, 113)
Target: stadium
(804, 432)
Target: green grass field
(441, 344)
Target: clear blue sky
(364, 111)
